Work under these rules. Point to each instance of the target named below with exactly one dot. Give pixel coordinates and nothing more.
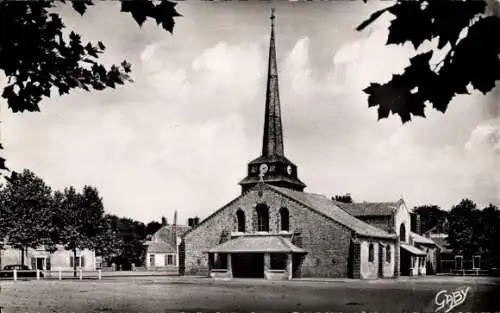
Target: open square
(176, 294)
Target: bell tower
(272, 167)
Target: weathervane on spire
(272, 17)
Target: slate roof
(257, 243)
(270, 178)
(413, 250)
(329, 208)
(421, 239)
(160, 247)
(165, 238)
(369, 208)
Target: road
(167, 294)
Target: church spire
(272, 144)
(272, 167)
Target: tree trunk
(74, 262)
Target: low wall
(277, 275)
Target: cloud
(229, 73)
(179, 138)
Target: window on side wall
(371, 253)
(80, 261)
(240, 218)
(284, 219)
(151, 260)
(168, 259)
(388, 253)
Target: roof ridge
(368, 226)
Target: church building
(275, 230)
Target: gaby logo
(447, 300)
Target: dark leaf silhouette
(471, 62)
(35, 56)
(411, 24)
(371, 19)
(80, 6)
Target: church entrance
(247, 265)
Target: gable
(314, 202)
(217, 212)
(169, 233)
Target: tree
(37, 57)
(3, 217)
(463, 231)
(343, 198)
(27, 212)
(82, 224)
(430, 216)
(108, 243)
(471, 63)
(132, 235)
(489, 234)
(152, 227)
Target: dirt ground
(165, 294)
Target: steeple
(272, 144)
(272, 167)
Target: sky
(179, 137)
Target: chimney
(417, 224)
(196, 221)
(175, 217)
(190, 222)
(163, 221)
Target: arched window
(285, 219)
(402, 232)
(240, 216)
(262, 217)
(388, 253)
(371, 253)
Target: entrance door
(247, 265)
(39, 263)
(405, 263)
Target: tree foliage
(26, 212)
(343, 198)
(132, 236)
(153, 226)
(472, 61)
(81, 222)
(472, 231)
(430, 216)
(461, 232)
(39, 55)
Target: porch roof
(413, 250)
(254, 244)
(421, 239)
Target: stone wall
(326, 241)
(380, 267)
